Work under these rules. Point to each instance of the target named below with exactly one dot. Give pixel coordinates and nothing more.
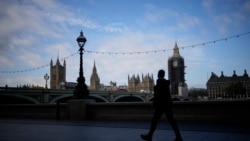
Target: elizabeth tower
(176, 71)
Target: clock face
(175, 63)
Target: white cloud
(246, 6)
(227, 16)
(185, 22)
(207, 3)
(114, 27)
(182, 20)
(157, 14)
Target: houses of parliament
(146, 83)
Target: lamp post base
(77, 108)
(81, 90)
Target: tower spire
(94, 68)
(94, 79)
(176, 50)
(57, 61)
(58, 53)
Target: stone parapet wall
(221, 111)
(34, 111)
(215, 111)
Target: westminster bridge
(38, 96)
(49, 104)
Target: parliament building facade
(144, 84)
(233, 87)
(57, 74)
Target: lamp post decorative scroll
(46, 78)
(81, 91)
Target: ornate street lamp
(81, 90)
(46, 78)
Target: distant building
(228, 86)
(176, 73)
(57, 74)
(146, 85)
(94, 80)
(68, 85)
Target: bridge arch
(128, 98)
(22, 98)
(98, 98)
(64, 98)
(60, 98)
(151, 98)
(176, 99)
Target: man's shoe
(146, 137)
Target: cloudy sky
(33, 32)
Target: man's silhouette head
(161, 74)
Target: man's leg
(170, 117)
(154, 122)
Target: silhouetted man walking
(162, 104)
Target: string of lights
(164, 50)
(39, 67)
(134, 53)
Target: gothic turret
(94, 79)
(57, 74)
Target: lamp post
(81, 90)
(46, 78)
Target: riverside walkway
(66, 130)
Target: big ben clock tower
(176, 73)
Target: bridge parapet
(52, 96)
